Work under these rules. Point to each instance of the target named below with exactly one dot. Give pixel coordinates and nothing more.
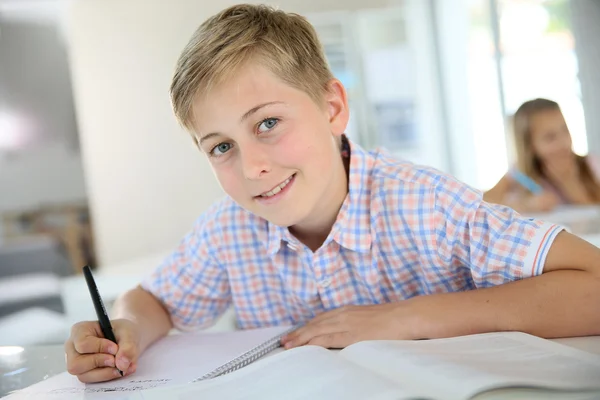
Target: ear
(337, 107)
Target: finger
(88, 362)
(337, 340)
(132, 368)
(99, 375)
(303, 335)
(83, 329)
(91, 344)
(70, 353)
(292, 336)
(127, 353)
(79, 363)
(325, 317)
(328, 315)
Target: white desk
(24, 366)
(583, 221)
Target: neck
(314, 231)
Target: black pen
(99, 306)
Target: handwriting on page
(129, 386)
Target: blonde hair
(527, 160)
(284, 43)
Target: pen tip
(121, 372)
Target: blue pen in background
(526, 182)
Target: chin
(284, 220)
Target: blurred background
(95, 170)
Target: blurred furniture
(30, 271)
(68, 224)
(33, 254)
(20, 292)
(31, 305)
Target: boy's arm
(498, 193)
(142, 308)
(564, 301)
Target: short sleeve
(190, 283)
(494, 242)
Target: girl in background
(548, 173)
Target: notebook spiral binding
(247, 358)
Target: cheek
(308, 147)
(543, 148)
(228, 179)
(308, 156)
(294, 150)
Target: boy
(315, 229)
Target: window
(386, 60)
(532, 55)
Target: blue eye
(267, 124)
(220, 149)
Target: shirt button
(325, 282)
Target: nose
(255, 161)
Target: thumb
(128, 351)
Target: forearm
(139, 306)
(516, 203)
(494, 196)
(555, 304)
(577, 195)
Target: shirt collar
(275, 236)
(352, 228)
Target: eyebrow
(244, 117)
(258, 107)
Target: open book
(456, 368)
(174, 360)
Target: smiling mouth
(277, 188)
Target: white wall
(35, 84)
(146, 181)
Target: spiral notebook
(177, 359)
(248, 357)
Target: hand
(567, 177)
(563, 172)
(544, 202)
(350, 324)
(92, 358)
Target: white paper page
(174, 360)
(307, 372)
(461, 367)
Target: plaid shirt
(402, 231)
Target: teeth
(277, 189)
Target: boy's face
(272, 148)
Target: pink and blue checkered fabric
(403, 231)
